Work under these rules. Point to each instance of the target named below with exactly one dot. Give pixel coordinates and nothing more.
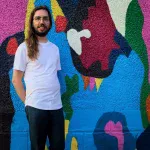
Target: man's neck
(42, 39)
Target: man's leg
(56, 130)
(38, 123)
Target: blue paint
(120, 92)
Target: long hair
(31, 40)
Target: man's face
(41, 23)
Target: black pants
(43, 123)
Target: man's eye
(37, 18)
(45, 18)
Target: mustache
(41, 25)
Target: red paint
(12, 46)
(99, 46)
(61, 23)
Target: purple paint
(145, 7)
(12, 17)
(115, 130)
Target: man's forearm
(20, 90)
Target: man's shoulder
(22, 48)
(53, 45)
(22, 45)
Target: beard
(41, 34)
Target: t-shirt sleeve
(58, 61)
(20, 60)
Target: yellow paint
(56, 10)
(46, 148)
(74, 144)
(66, 127)
(30, 7)
(98, 82)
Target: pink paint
(115, 130)
(145, 7)
(92, 83)
(12, 17)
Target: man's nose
(42, 20)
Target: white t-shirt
(42, 84)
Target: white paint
(118, 10)
(74, 39)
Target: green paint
(134, 25)
(72, 87)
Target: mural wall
(105, 56)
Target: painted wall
(104, 48)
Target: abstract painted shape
(118, 10)
(112, 128)
(66, 127)
(145, 7)
(86, 81)
(74, 39)
(95, 68)
(134, 25)
(58, 15)
(103, 31)
(7, 110)
(56, 10)
(115, 130)
(61, 23)
(30, 7)
(12, 46)
(72, 86)
(67, 7)
(98, 82)
(92, 56)
(74, 144)
(142, 142)
(12, 14)
(148, 107)
(46, 148)
(119, 92)
(92, 83)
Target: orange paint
(148, 107)
(86, 81)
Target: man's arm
(17, 82)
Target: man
(37, 59)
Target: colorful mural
(104, 50)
